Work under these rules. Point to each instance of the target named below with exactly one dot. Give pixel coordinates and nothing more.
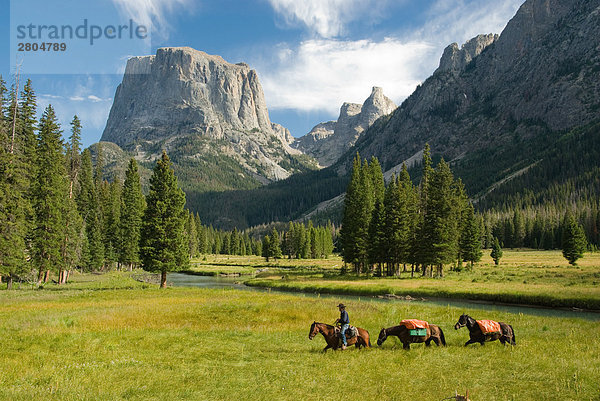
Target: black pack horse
(505, 335)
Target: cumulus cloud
(152, 12)
(322, 74)
(326, 18)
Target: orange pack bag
(413, 324)
(488, 326)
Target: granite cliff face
(540, 76)
(327, 141)
(204, 111)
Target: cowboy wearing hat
(344, 322)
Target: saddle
(350, 333)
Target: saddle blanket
(488, 326)
(413, 324)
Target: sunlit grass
(524, 276)
(87, 343)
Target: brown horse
(505, 335)
(434, 333)
(333, 339)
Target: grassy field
(109, 337)
(541, 278)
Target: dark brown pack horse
(334, 341)
(434, 333)
(505, 335)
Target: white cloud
(327, 18)
(322, 74)
(152, 13)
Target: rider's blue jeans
(343, 332)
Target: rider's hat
(342, 306)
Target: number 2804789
(42, 47)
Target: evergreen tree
(470, 239)
(112, 221)
(441, 222)
(132, 210)
(192, 234)
(350, 231)
(13, 227)
(202, 236)
(421, 248)
(89, 208)
(266, 247)
(49, 195)
(377, 237)
(573, 239)
(496, 253)
(274, 247)
(163, 244)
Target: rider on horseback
(344, 322)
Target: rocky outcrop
(455, 59)
(540, 75)
(326, 142)
(203, 109)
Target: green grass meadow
(542, 278)
(111, 338)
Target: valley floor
(110, 337)
(528, 277)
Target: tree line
(388, 227)
(58, 213)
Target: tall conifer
(163, 244)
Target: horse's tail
(442, 336)
(514, 341)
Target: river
(188, 280)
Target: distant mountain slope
(541, 75)
(210, 116)
(327, 141)
(510, 113)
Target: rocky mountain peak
(326, 142)
(456, 59)
(181, 97)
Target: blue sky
(311, 55)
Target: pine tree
(496, 253)
(112, 221)
(89, 209)
(422, 243)
(266, 247)
(13, 227)
(573, 239)
(73, 240)
(163, 244)
(377, 237)
(350, 221)
(441, 223)
(470, 239)
(274, 247)
(132, 211)
(49, 195)
(202, 236)
(192, 234)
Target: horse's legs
(326, 348)
(406, 345)
(428, 342)
(471, 341)
(436, 340)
